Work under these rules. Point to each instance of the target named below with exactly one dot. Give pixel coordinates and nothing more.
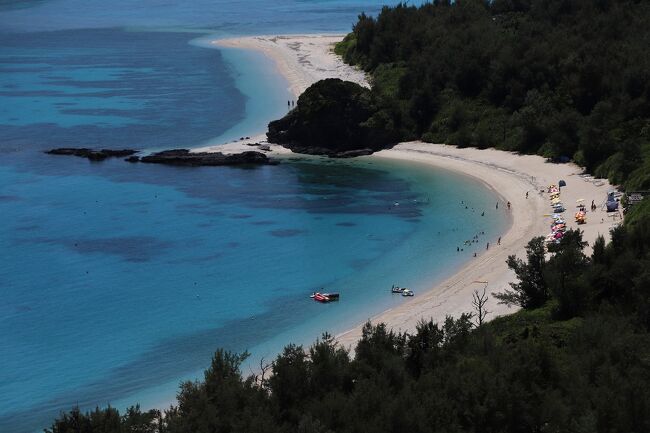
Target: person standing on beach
(526, 195)
(508, 205)
(499, 241)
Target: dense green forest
(561, 78)
(576, 358)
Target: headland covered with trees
(566, 79)
(559, 78)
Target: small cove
(121, 280)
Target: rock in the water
(353, 153)
(132, 159)
(92, 154)
(335, 118)
(185, 157)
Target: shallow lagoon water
(120, 280)
(123, 277)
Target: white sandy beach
(511, 176)
(304, 60)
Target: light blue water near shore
(119, 280)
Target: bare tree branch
(478, 301)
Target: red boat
(325, 297)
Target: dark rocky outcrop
(335, 118)
(185, 157)
(169, 157)
(92, 154)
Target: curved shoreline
(453, 295)
(306, 59)
(511, 175)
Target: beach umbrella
(561, 183)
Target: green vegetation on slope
(561, 78)
(575, 359)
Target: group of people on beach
(291, 103)
(475, 238)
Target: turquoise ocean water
(116, 280)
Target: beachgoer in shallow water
(487, 247)
(482, 213)
(499, 241)
(474, 254)
(497, 205)
(508, 205)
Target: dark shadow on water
(27, 228)
(168, 359)
(360, 264)
(137, 249)
(263, 223)
(286, 233)
(193, 260)
(20, 4)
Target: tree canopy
(332, 117)
(561, 78)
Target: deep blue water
(117, 280)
